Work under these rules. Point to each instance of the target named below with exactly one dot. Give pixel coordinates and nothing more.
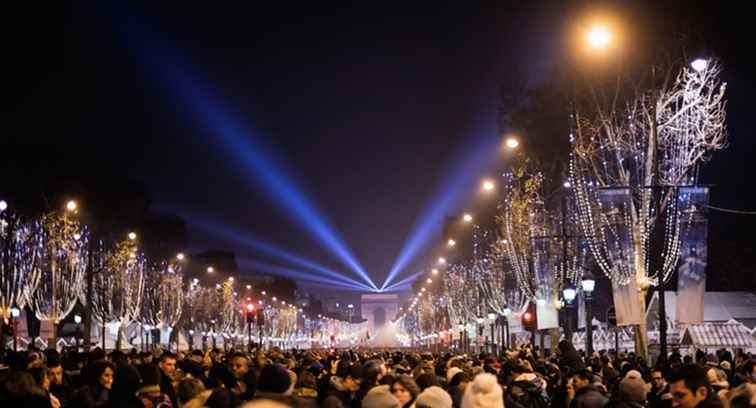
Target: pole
(662, 321)
(15, 334)
(506, 327)
(249, 333)
(588, 326)
(493, 341)
(90, 295)
(616, 341)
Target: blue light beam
(272, 250)
(449, 194)
(196, 97)
(296, 274)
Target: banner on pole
(691, 268)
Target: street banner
(617, 235)
(691, 269)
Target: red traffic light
(527, 316)
(250, 307)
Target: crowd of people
(521, 378)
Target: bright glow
(195, 281)
(451, 243)
(250, 307)
(15, 312)
(480, 320)
(217, 286)
(699, 64)
(210, 269)
(569, 294)
(540, 302)
(429, 280)
(132, 235)
(254, 264)
(249, 287)
(566, 184)
(599, 37)
(191, 332)
(422, 290)
(434, 271)
(77, 236)
(264, 293)
(512, 143)
(527, 316)
(275, 299)
(3, 205)
(270, 249)
(492, 316)
(180, 256)
(442, 260)
(71, 205)
(487, 185)
(231, 279)
(467, 217)
(588, 285)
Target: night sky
(366, 107)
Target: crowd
(522, 378)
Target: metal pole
(662, 321)
(15, 335)
(588, 326)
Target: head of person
(657, 379)
(405, 389)
(581, 379)
(459, 380)
(55, 370)
(372, 371)
(743, 396)
(633, 389)
(167, 363)
(102, 374)
(483, 391)
(353, 377)
(197, 356)
(238, 364)
(189, 388)
(380, 397)
(149, 374)
(274, 379)
(689, 386)
(433, 397)
(40, 377)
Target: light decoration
(627, 167)
(18, 256)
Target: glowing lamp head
(491, 316)
(264, 293)
(599, 37)
(541, 302)
(512, 143)
(487, 185)
(507, 311)
(451, 242)
(588, 284)
(429, 280)
(191, 332)
(249, 287)
(250, 307)
(467, 218)
(527, 316)
(699, 64)
(180, 256)
(442, 261)
(132, 236)
(567, 184)
(3, 205)
(231, 279)
(569, 294)
(210, 269)
(15, 312)
(72, 205)
(434, 271)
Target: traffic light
(249, 310)
(529, 318)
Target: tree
(626, 168)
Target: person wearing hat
(433, 397)
(631, 393)
(483, 392)
(276, 384)
(380, 397)
(342, 390)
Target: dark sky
(366, 106)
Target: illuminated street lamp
(132, 236)
(699, 64)
(15, 313)
(467, 217)
(451, 242)
(3, 205)
(588, 284)
(512, 143)
(488, 185)
(72, 205)
(210, 269)
(599, 37)
(180, 256)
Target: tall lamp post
(588, 285)
(461, 336)
(15, 312)
(77, 320)
(507, 313)
(492, 319)
(569, 293)
(480, 320)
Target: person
(126, 382)
(631, 393)
(187, 389)
(372, 372)
(690, 388)
(150, 393)
(483, 392)
(433, 397)
(244, 382)
(276, 384)
(569, 357)
(743, 396)
(457, 386)
(659, 397)
(307, 386)
(405, 390)
(94, 394)
(167, 365)
(587, 393)
(22, 391)
(60, 385)
(342, 390)
(42, 381)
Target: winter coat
(589, 396)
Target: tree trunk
(51, 342)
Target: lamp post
(77, 320)
(461, 336)
(588, 285)
(15, 312)
(492, 319)
(569, 293)
(480, 320)
(505, 343)
(191, 339)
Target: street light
(132, 236)
(599, 37)
(492, 319)
(72, 205)
(434, 271)
(210, 269)
(180, 256)
(569, 294)
(451, 243)
(3, 205)
(512, 143)
(442, 260)
(15, 313)
(488, 185)
(699, 64)
(467, 217)
(588, 284)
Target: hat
(274, 378)
(354, 371)
(380, 397)
(635, 374)
(726, 365)
(452, 372)
(433, 397)
(712, 360)
(483, 392)
(634, 389)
